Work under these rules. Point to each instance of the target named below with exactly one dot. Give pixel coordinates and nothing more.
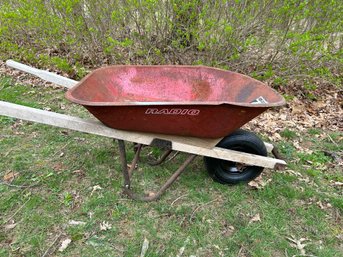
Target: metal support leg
(170, 181)
(127, 173)
(138, 149)
(123, 160)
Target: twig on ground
(17, 186)
(52, 244)
(304, 255)
(60, 151)
(200, 206)
(286, 253)
(18, 210)
(178, 199)
(6, 154)
(182, 249)
(240, 251)
(331, 139)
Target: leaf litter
(301, 114)
(298, 243)
(259, 183)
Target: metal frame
(127, 173)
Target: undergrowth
(278, 40)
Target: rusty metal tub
(192, 101)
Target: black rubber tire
(227, 172)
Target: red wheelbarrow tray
(194, 101)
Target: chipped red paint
(181, 100)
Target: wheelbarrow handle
(46, 75)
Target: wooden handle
(45, 75)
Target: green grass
(58, 172)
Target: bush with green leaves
(268, 39)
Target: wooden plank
(45, 75)
(95, 127)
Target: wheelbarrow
(193, 109)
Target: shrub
(270, 39)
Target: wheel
(227, 172)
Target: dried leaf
(129, 166)
(258, 183)
(298, 244)
(10, 226)
(58, 167)
(64, 244)
(319, 104)
(283, 116)
(253, 184)
(320, 204)
(151, 194)
(229, 230)
(105, 226)
(297, 109)
(256, 218)
(295, 173)
(95, 188)
(8, 177)
(145, 247)
(65, 132)
(76, 223)
(78, 172)
(337, 183)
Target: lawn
(60, 187)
